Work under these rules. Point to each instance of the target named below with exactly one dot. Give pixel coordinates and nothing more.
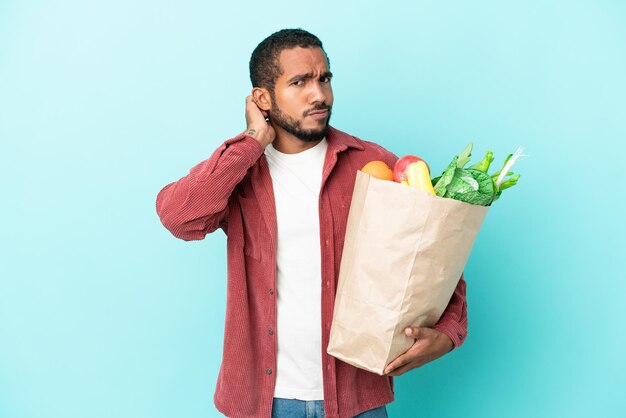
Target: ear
(262, 98)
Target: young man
(281, 192)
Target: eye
(298, 83)
(325, 79)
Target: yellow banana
(419, 177)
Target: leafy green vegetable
(471, 186)
(446, 178)
(464, 156)
(497, 173)
(485, 163)
(510, 182)
(507, 166)
(474, 185)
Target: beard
(294, 126)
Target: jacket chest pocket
(251, 215)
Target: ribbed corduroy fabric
(232, 190)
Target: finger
(400, 361)
(415, 350)
(403, 369)
(420, 333)
(413, 332)
(251, 105)
(251, 100)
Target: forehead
(301, 61)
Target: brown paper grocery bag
(403, 255)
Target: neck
(289, 144)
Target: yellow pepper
(419, 177)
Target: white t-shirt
(296, 180)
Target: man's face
(303, 98)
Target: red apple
(402, 165)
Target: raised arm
(197, 204)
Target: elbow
(173, 220)
(187, 235)
(181, 230)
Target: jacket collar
(340, 141)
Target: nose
(318, 93)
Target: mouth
(318, 114)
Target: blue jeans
(295, 408)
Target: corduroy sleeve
(197, 204)
(453, 321)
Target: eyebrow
(307, 76)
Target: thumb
(414, 332)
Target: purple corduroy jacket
(232, 190)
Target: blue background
(104, 314)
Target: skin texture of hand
(429, 345)
(257, 126)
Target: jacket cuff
(248, 145)
(454, 330)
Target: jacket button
(460, 336)
(270, 331)
(268, 371)
(271, 291)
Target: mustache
(321, 106)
